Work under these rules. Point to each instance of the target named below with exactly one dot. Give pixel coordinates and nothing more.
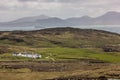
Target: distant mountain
(23, 22)
(52, 22)
(76, 21)
(31, 19)
(110, 18)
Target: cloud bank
(13, 9)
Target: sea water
(110, 28)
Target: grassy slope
(72, 53)
(51, 43)
(62, 37)
(68, 53)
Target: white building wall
(28, 55)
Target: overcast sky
(13, 9)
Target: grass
(59, 37)
(29, 76)
(22, 70)
(59, 53)
(50, 45)
(77, 53)
(26, 74)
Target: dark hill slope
(64, 37)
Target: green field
(68, 53)
(60, 44)
(58, 53)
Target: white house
(28, 55)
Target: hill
(60, 37)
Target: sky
(14, 9)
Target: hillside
(57, 61)
(60, 37)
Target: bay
(110, 28)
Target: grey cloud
(69, 1)
(26, 0)
(3, 8)
(37, 0)
(58, 8)
(61, 1)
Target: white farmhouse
(27, 55)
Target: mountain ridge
(110, 18)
